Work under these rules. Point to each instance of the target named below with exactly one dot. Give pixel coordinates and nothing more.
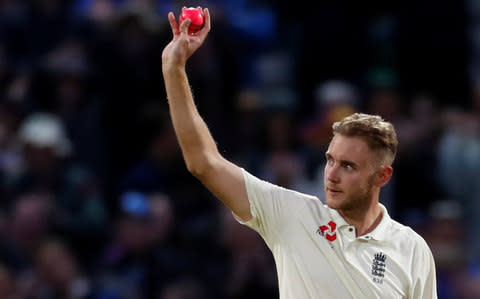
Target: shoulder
(407, 236)
(255, 184)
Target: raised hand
(183, 45)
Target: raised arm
(223, 178)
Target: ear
(383, 175)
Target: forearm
(197, 144)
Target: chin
(333, 203)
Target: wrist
(168, 67)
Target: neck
(364, 220)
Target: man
(348, 248)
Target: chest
(377, 267)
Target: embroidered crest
(378, 267)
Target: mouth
(333, 191)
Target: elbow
(202, 167)
(195, 169)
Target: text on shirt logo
(378, 267)
(328, 231)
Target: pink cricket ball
(196, 16)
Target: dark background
(96, 201)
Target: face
(349, 173)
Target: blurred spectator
(19, 87)
(282, 163)
(159, 153)
(75, 99)
(28, 225)
(254, 25)
(125, 264)
(45, 146)
(249, 273)
(273, 84)
(79, 211)
(383, 94)
(183, 289)
(458, 163)
(58, 274)
(7, 283)
(10, 149)
(159, 167)
(135, 263)
(446, 234)
(470, 287)
(99, 11)
(334, 99)
(418, 131)
(163, 218)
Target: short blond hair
(379, 134)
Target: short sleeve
(423, 276)
(271, 206)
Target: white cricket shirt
(390, 262)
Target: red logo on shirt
(329, 231)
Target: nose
(331, 173)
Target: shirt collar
(337, 218)
(379, 233)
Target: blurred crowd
(95, 199)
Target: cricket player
(348, 247)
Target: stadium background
(95, 199)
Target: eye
(348, 166)
(329, 160)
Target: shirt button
(350, 229)
(367, 237)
